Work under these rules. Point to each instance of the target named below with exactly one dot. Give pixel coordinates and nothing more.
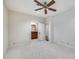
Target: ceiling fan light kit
(45, 6)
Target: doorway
(34, 31)
(38, 31)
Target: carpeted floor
(40, 50)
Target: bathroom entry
(38, 31)
(34, 31)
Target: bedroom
(56, 30)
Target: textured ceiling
(28, 6)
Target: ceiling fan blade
(45, 11)
(38, 9)
(51, 3)
(39, 3)
(52, 9)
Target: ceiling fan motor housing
(45, 3)
(45, 6)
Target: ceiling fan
(45, 6)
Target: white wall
(5, 29)
(20, 27)
(41, 31)
(50, 29)
(62, 28)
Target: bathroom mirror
(34, 27)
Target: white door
(41, 31)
